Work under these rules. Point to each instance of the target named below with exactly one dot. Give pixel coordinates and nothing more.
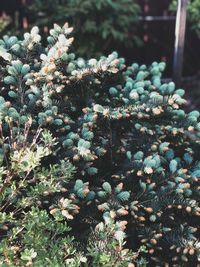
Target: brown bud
(184, 258)
(66, 120)
(48, 120)
(153, 147)
(135, 208)
(151, 251)
(149, 210)
(63, 190)
(84, 110)
(5, 227)
(153, 241)
(191, 251)
(7, 105)
(188, 209)
(190, 128)
(139, 173)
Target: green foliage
(106, 249)
(193, 14)
(98, 24)
(4, 23)
(29, 234)
(33, 227)
(133, 147)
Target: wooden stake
(179, 41)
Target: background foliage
(99, 26)
(193, 14)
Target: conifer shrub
(134, 150)
(47, 211)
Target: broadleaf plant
(98, 24)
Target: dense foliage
(38, 192)
(99, 25)
(136, 155)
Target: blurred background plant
(100, 26)
(127, 24)
(193, 14)
(4, 23)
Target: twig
(3, 144)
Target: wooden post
(179, 41)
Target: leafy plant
(136, 154)
(27, 231)
(98, 24)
